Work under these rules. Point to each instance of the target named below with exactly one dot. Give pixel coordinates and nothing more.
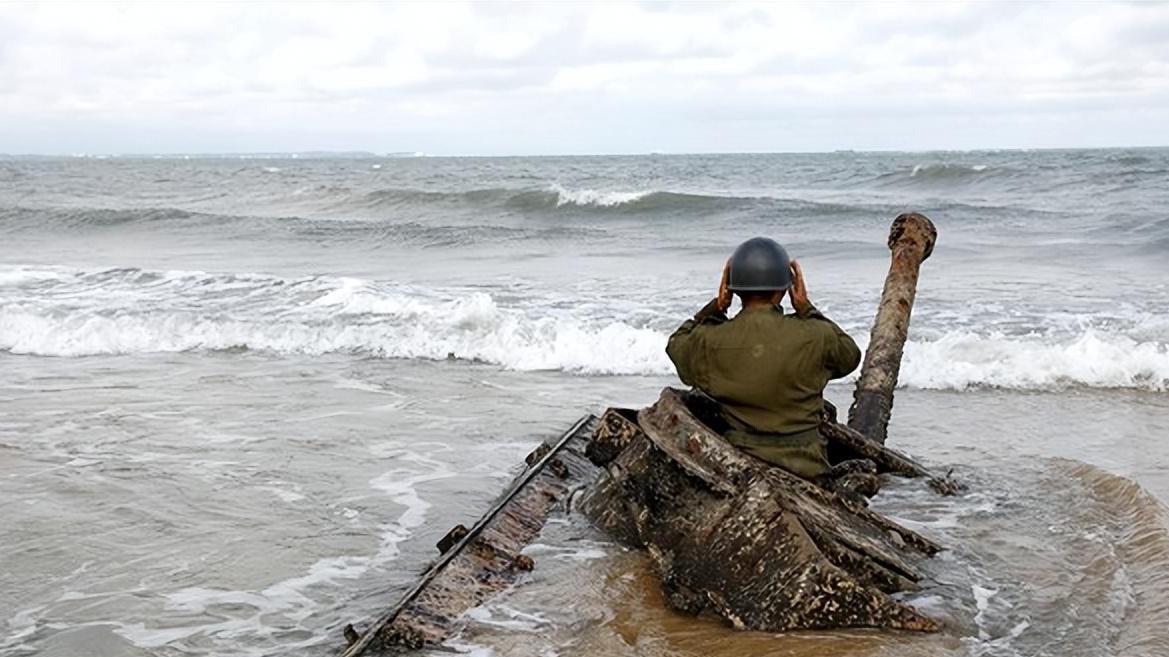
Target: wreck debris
(911, 239)
(762, 548)
(486, 558)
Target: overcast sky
(581, 78)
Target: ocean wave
(938, 174)
(1157, 247)
(426, 235)
(558, 200)
(947, 170)
(1130, 159)
(762, 204)
(15, 218)
(24, 275)
(600, 199)
(129, 311)
(963, 359)
(467, 329)
(427, 218)
(552, 198)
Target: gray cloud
(549, 78)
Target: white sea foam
(962, 359)
(23, 275)
(241, 613)
(505, 618)
(470, 329)
(578, 551)
(21, 625)
(595, 198)
(945, 169)
(346, 315)
(474, 328)
(135, 312)
(473, 650)
(285, 495)
(401, 485)
(246, 613)
(982, 596)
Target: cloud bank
(579, 78)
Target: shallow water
(1047, 555)
(238, 504)
(229, 424)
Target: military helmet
(760, 265)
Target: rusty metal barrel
(911, 239)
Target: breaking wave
(71, 314)
(939, 174)
(553, 198)
(946, 170)
(963, 359)
(133, 311)
(471, 328)
(595, 198)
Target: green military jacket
(766, 368)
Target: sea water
(241, 399)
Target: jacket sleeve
(841, 355)
(686, 347)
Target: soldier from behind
(767, 369)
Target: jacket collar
(762, 309)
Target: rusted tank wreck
(726, 533)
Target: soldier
(767, 369)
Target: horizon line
(365, 154)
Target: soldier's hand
(799, 290)
(724, 291)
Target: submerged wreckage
(727, 533)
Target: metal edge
(362, 643)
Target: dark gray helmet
(760, 265)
